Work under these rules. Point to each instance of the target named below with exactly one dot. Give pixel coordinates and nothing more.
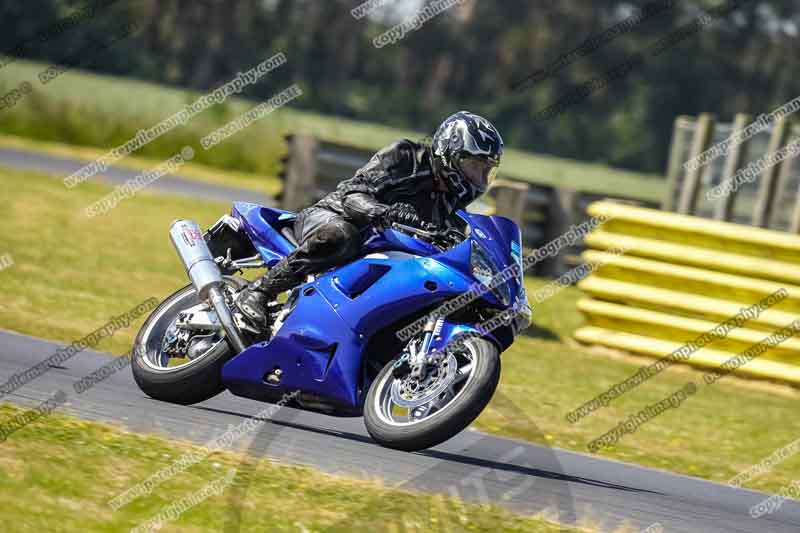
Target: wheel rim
(152, 352)
(409, 413)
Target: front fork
(415, 359)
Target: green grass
(62, 110)
(556, 317)
(73, 273)
(59, 473)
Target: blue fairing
(260, 224)
(321, 346)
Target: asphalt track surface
(63, 166)
(523, 477)
(569, 487)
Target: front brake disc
(402, 397)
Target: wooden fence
(769, 199)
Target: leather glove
(430, 227)
(404, 214)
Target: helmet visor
(481, 172)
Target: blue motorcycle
(409, 336)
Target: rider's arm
(363, 209)
(390, 167)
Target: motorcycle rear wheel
(193, 382)
(459, 408)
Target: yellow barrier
(680, 277)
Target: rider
(406, 182)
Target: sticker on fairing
(516, 253)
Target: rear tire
(193, 383)
(452, 419)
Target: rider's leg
(326, 240)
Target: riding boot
(253, 300)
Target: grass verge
(71, 274)
(59, 473)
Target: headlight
(484, 271)
(482, 267)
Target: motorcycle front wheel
(411, 414)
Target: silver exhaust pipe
(187, 238)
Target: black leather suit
(329, 232)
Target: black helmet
(466, 152)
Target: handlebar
(413, 231)
(443, 239)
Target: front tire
(464, 407)
(186, 384)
